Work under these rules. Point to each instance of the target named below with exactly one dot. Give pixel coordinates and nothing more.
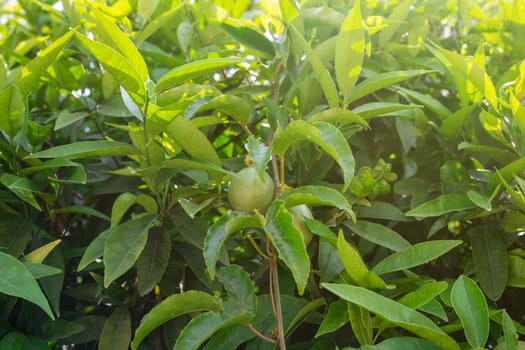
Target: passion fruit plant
(260, 175)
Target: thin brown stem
(275, 294)
(260, 335)
(275, 170)
(270, 254)
(278, 308)
(248, 131)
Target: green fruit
(363, 184)
(248, 191)
(381, 188)
(300, 212)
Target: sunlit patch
(444, 92)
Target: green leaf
(518, 110)
(158, 22)
(95, 249)
(220, 231)
(373, 109)
(65, 118)
(248, 36)
(316, 195)
(355, 266)
(109, 33)
(382, 210)
(423, 295)
(498, 154)
(14, 244)
(471, 307)
(338, 115)
(19, 282)
(380, 81)
(203, 326)
(116, 333)
(509, 331)
(516, 272)
(259, 154)
(289, 242)
(289, 10)
(361, 323)
(489, 252)
(193, 164)
(325, 135)
(38, 255)
(434, 307)
(41, 270)
(239, 287)
(321, 230)
(430, 103)
(394, 21)
(335, 318)
(194, 70)
(171, 307)
(185, 36)
(80, 209)
(87, 149)
(415, 255)
(352, 261)
(480, 200)
(303, 313)
(327, 84)
(229, 338)
(153, 260)
(126, 200)
(507, 173)
(453, 122)
(50, 164)
(131, 106)
(330, 263)
(394, 312)
(493, 126)
(350, 50)
(403, 343)
(232, 105)
(145, 8)
(469, 70)
(378, 234)
(18, 341)
(120, 67)
(446, 203)
(192, 140)
(12, 109)
(192, 208)
(124, 245)
(27, 80)
(22, 187)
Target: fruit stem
(256, 247)
(260, 335)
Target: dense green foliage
(394, 132)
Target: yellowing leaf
(350, 50)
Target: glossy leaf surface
(171, 307)
(289, 242)
(394, 312)
(415, 255)
(470, 305)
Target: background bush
(398, 125)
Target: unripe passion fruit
(248, 191)
(300, 212)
